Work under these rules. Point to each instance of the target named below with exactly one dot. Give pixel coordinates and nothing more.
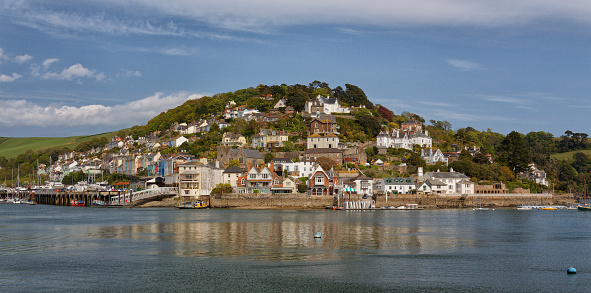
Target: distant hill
(11, 147)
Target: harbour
(47, 248)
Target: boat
(77, 203)
(16, 201)
(409, 206)
(549, 208)
(480, 208)
(584, 207)
(524, 208)
(199, 204)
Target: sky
(86, 67)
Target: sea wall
(427, 201)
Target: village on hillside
(276, 162)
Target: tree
(514, 152)
(416, 160)
(233, 163)
(222, 188)
(386, 113)
(269, 157)
(326, 163)
(567, 172)
(465, 155)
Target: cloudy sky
(84, 67)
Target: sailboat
(480, 208)
(584, 207)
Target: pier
(90, 198)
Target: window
(187, 192)
(265, 176)
(319, 180)
(276, 181)
(242, 181)
(252, 176)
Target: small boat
(482, 209)
(409, 206)
(199, 204)
(549, 208)
(524, 208)
(585, 208)
(16, 201)
(77, 203)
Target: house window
(252, 176)
(276, 181)
(319, 180)
(265, 176)
(242, 181)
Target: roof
(234, 169)
(191, 163)
(322, 151)
(253, 154)
(454, 175)
(362, 177)
(282, 160)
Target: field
(13, 146)
(566, 156)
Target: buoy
(571, 270)
(317, 235)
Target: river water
(74, 249)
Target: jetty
(91, 198)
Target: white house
(331, 105)
(299, 169)
(433, 156)
(397, 185)
(453, 180)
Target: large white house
(457, 183)
(397, 185)
(403, 139)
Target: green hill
(569, 155)
(11, 147)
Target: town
(312, 152)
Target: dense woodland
(511, 153)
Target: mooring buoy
(571, 270)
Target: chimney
(426, 132)
(420, 172)
(272, 166)
(451, 169)
(217, 164)
(248, 166)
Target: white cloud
(47, 62)
(24, 113)
(23, 58)
(463, 65)
(75, 71)
(153, 17)
(130, 73)
(7, 78)
(238, 14)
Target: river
(74, 249)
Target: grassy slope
(13, 146)
(569, 155)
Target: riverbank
(303, 201)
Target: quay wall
(427, 201)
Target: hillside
(14, 146)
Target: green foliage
(302, 188)
(514, 152)
(74, 177)
(269, 157)
(222, 188)
(232, 163)
(416, 160)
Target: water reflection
(288, 235)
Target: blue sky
(73, 68)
